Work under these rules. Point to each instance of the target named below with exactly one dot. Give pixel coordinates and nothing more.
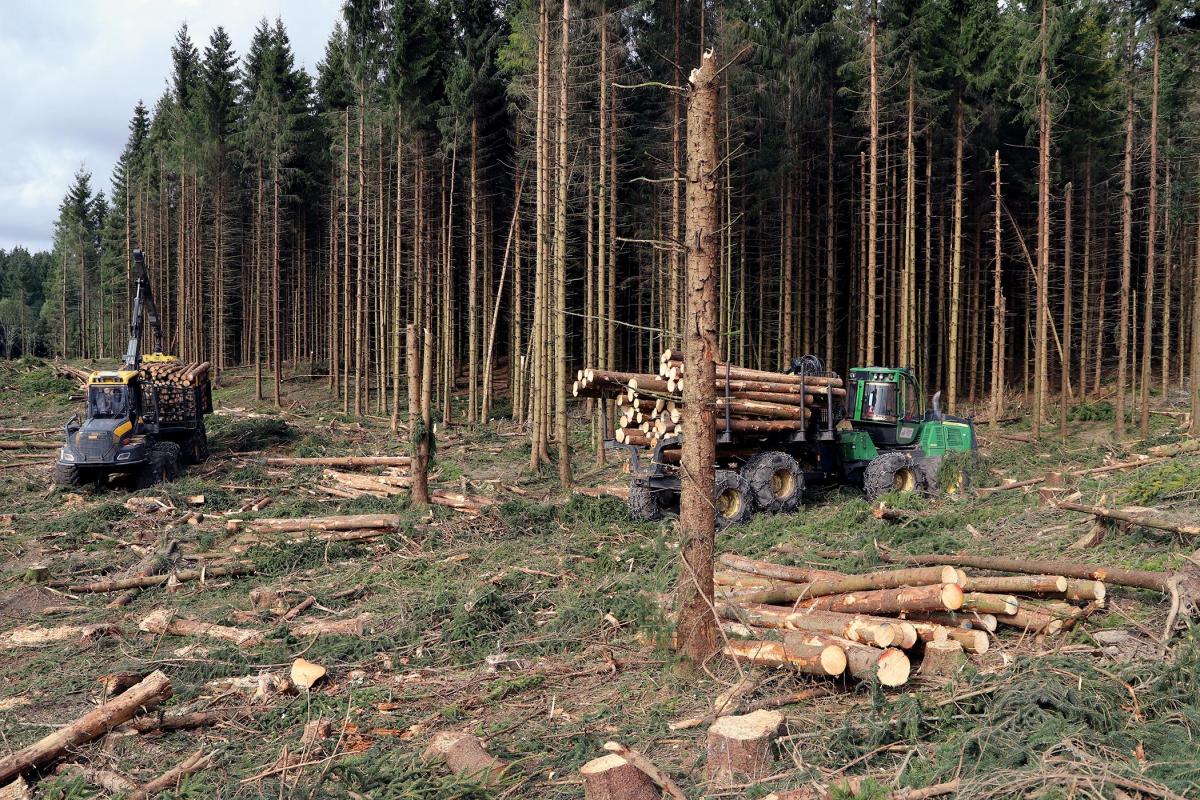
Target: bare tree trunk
(360, 301)
(1167, 265)
(955, 263)
(907, 302)
(1151, 252)
(1065, 387)
(830, 257)
(1126, 251)
(1043, 244)
(696, 630)
(1196, 333)
(873, 203)
(997, 315)
(560, 266)
(1085, 331)
(473, 279)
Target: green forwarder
(880, 437)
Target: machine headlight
(66, 456)
(123, 456)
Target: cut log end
(893, 668)
(952, 596)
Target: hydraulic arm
(143, 300)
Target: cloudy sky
(71, 72)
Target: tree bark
(1139, 579)
(697, 634)
(1151, 253)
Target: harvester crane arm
(143, 299)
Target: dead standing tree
(697, 629)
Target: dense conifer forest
(1002, 196)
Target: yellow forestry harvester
(145, 418)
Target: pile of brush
(820, 622)
(759, 403)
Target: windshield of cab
(879, 402)
(108, 402)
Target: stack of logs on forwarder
(175, 381)
(760, 403)
(875, 626)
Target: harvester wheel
(643, 505)
(67, 475)
(732, 498)
(892, 472)
(196, 449)
(776, 481)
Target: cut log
(972, 640)
(464, 755)
(1139, 579)
(1177, 448)
(341, 461)
(109, 780)
(889, 579)
(1031, 621)
(37, 636)
(153, 564)
(462, 502)
(1017, 584)
(1085, 590)
(164, 623)
(754, 566)
(962, 619)
(1144, 519)
(741, 748)
(759, 426)
(856, 628)
(169, 723)
(822, 660)
(889, 666)
(365, 483)
(146, 695)
(997, 604)
(337, 627)
(349, 522)
(746, 706)
(612, 777)
(947, 597)
(181, 576)
(942, 660)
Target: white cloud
(71, 72)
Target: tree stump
(942, 660)
(464, 755)
(611, 777)
(739, 748)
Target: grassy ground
(571, 590)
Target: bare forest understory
(539, 621)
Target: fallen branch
(163, 723)
(194, 763)
(181, 576)
(342, 461)
(164, 623)
(149, 693)
(348, 522)
(1144, 519)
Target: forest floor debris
(532, 621)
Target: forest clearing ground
(565, 595)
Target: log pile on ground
(874, 625)
(759, 403)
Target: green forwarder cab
(890, 441)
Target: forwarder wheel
(892, 472)
(957, 484)
(172, 457)
(196, 450)
(68, 475)
(776, 481)
(732, 498)
(643, 505)
(153, 471)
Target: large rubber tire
(172, 459)
(732, 499)
(68, 475)
(195, 450)
(153, 471)
(776, 481)
(643, 505)
(892, 472)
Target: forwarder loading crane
(145, 418)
